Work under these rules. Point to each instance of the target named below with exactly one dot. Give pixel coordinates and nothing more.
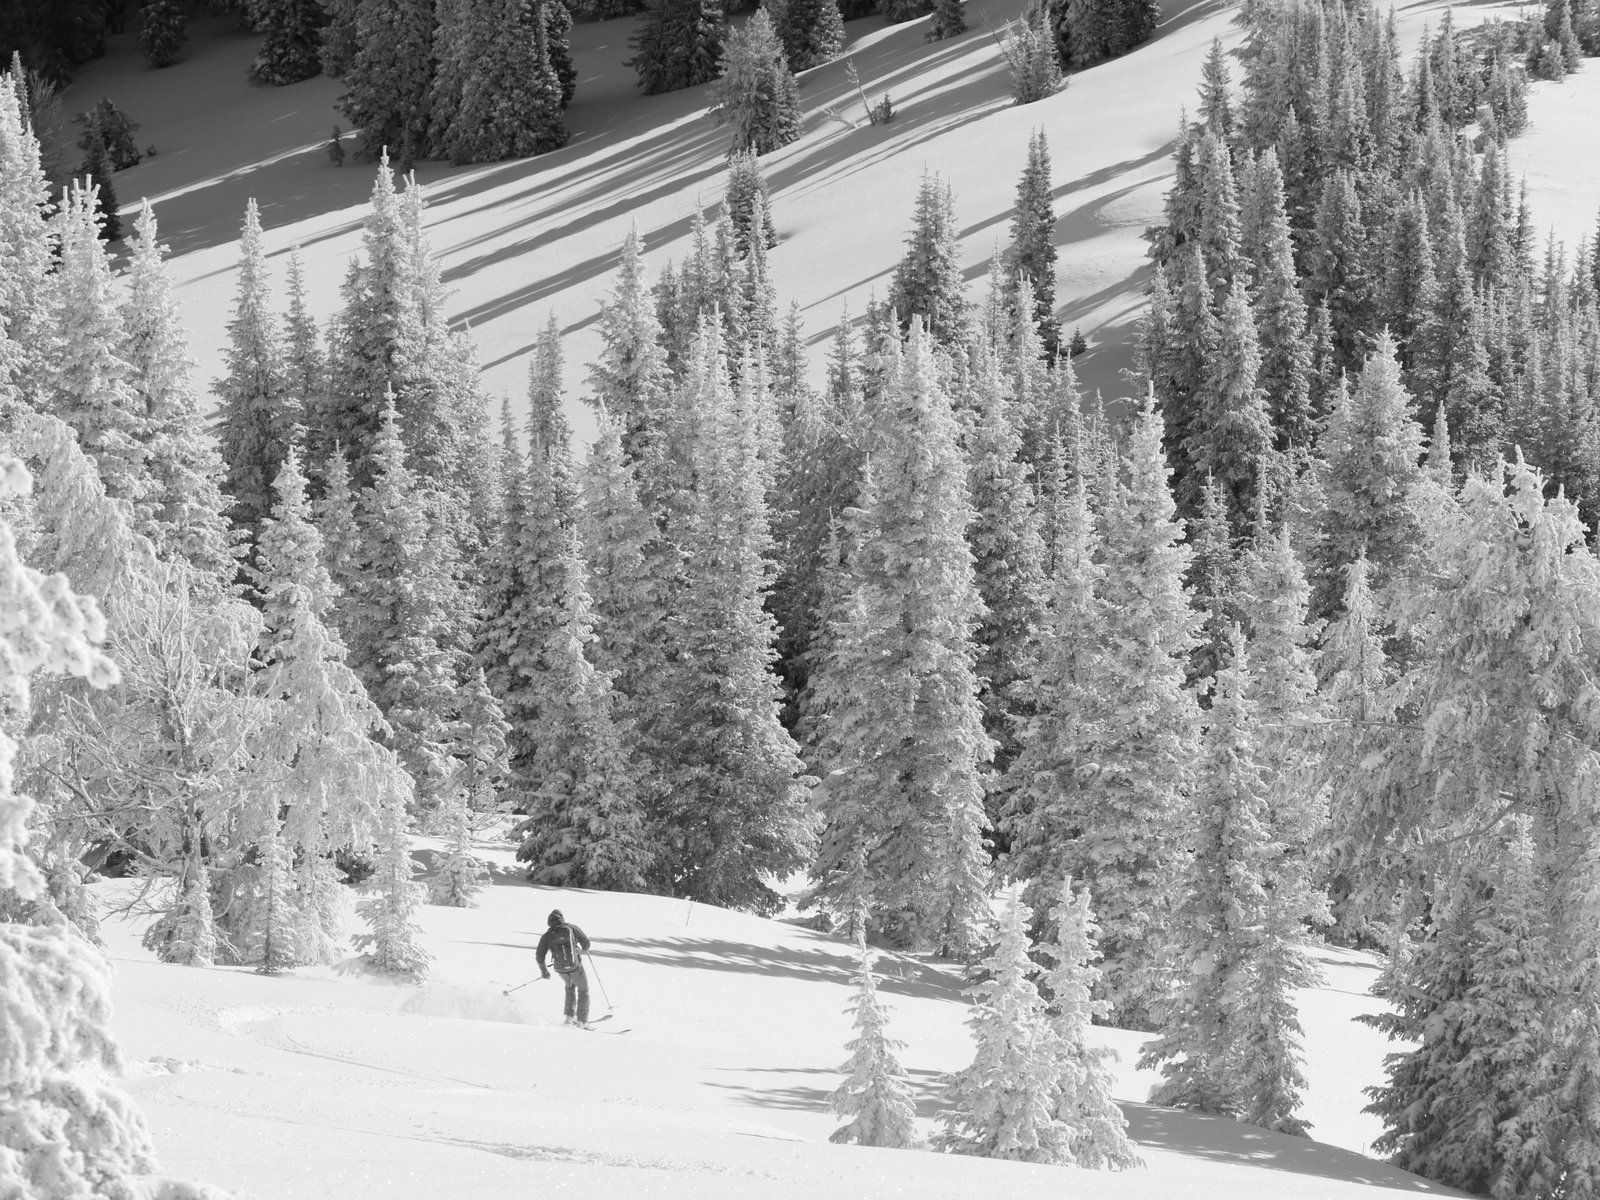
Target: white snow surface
(328, 1083)
(522, 239)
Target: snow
(325, 1082)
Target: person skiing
(561, 943)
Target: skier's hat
(556, 918)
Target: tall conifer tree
(902, 739)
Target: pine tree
(1040, 818)
(1213, 572)
(1032, 251)
(96, 174)
(678, 44)
(1004, 1105)
(1097, 1137)
(186, 501)
(291, 50)
(735, 809)
(1216, 100)
(747, 203)
(393, 946)
(1340, 276)
(876, 1093)
(340, 37)
(1280, 313)
(631, 577)
(1132, 733)
(332, 776)
(482, 763)
(949, 20)
(405, 598)
(162, 31)
(1231, 440)
(1509, 596)
(629, 378)
(460, 875)
(548, 427)
(1008, 563)
(1372, 446)
(510, 93)
(26, 257)
(586, 827)
(757, 94)
(90, 379)
(304, 367)
(386, 83)
(1474, 996)
(928, 281)
(902, 737)
(258, 414)
(812, 32)
(1231, 1021)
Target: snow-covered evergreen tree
(902, 740)
(1134, 744)
(1097, 1132)
(332, 776)
(629, 377)
(876, 1092)
(1004, 1105)
(460, 875)
(734, 811)
(1372, 445)
(632, 582)
(258, 413)
(1041, 814)
(26, 257)
(928, 282)
(187, 511)
(1229, 1039)
(90, 384)
(394, 943)
(581, 786)
(304, 367)
(1008, 561)
(1032, 250)
(757, 94)
(406, 599)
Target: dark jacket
(549, 940)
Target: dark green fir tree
(678, 45)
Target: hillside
(314, 1084)
(522, 239)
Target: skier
(561, 942)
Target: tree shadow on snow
(927, 1089)
(1222, 1140)
(837, 963)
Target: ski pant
(577, 999)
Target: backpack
(564, 950)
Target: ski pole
(520, 986)
(609, 1005)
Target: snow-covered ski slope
(523, 239)
(322, 1084)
